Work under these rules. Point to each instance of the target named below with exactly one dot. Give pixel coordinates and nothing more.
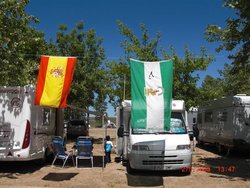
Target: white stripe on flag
(154, 96)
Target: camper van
(225, 123)
(165, 150)
(25, 130)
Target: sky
(182, 23)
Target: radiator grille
(162, 162)
(160, 157)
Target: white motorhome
(25, 130)
(225, 123)
(167, 150)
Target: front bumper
(166, 160)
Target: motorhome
(165, 150)
(225, 122)
(26, 130)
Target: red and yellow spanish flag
(54, 80)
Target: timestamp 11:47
(223, 169)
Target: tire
(118, 159)
(200, 143)
(187, 173)
(223, 150)
(129, 169)
(49, 157)
(41, 161)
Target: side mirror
(120, 131)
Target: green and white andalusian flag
(151, 88)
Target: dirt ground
(209, 170)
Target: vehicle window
(177, 126)
(199, 118)
(208, 116)
(194, 120)
(222, 116)
(78, 123)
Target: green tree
(185, 74)
(20, 44)
(147, 49)
(118, 74)
(143, 49)
(236, 81)
(212, 88)
(88, 86)
(235, 38)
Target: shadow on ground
(59, 176)
(236, 165)
(12, 169)
(137, 180)
(142, 178)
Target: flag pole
(103, 141)
(124, 87)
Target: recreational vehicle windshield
(25, 130)
(152, 149)
(225, 123)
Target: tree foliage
(143, 48)
(212, 88)
(235, 38)
(118, 74)
(186, 76)
(147, 49)
(236, 35)
(235, 82)
(19, 44)
(88, 86)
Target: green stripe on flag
(151, 90)
(139, 109)
(167, 79)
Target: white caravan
(225, 123)
(154, 150)
(25, 130)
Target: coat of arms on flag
(54, 80)
(151, 89)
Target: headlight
(140, 147)
(182, 147)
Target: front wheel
(129, 169)
(223, 150)
(118, 159)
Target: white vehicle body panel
(226, 122)
(154, 151)
(17, 110)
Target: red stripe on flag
(41, 78)
(67, 81)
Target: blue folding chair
(60, 152)
(84, 149)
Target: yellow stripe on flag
(54, 81)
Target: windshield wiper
(164, 132)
